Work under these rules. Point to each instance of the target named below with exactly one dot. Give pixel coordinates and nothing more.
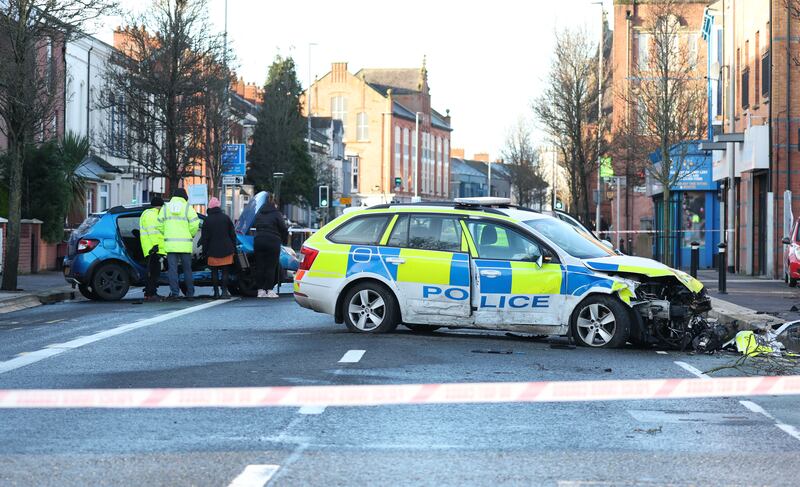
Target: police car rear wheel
(601, 322)
(369, 308)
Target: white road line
(352, 356)
(790, 430)
(756, 408)
(312, 410)
(661, 352)
(787, 428)
(54, 321)
(255, 476)
(58, 348)
(693, 370)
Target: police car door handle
(490, 273)
(395, 260)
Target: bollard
(695, 259)
(722, 263)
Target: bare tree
(668, 99)
(32, 33)
(161, 80)
(522, 161)
(567, 110)
(216, 123)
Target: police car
(483, 263)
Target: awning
(97, 169)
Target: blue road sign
(233, 160)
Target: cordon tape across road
(378, 395)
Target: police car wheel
(601, 322)
(369, 308)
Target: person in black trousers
(218, 240)
(271, 232)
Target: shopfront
(694, 207)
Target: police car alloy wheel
(369, 308)
(600, 321)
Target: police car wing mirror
(540, 260)
(607, 244)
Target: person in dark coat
(218, 240)
(271, 232)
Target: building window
(406, 157)
(446, 175)
(398, 154)
(746, 88)
(339, 111)
(643, 54)
(765, 75)
(354, 172)
(362, 127)
(89, 201)
(103, 197)
(116, 124)
(414, 176)
(692, 49)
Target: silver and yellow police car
(482, 263)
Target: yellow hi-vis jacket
(178, 223)
(149, 231)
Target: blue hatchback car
(105, 257)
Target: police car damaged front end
(667, 313)
(669, 307)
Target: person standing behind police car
(218, 239)
(179, 223)
(152, 246)
(271, 232)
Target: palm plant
(73, 151)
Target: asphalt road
(274, 342)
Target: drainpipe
(788, 90)
(88, 87)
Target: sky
(486, 59)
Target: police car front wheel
(369, 308)
(601, 322)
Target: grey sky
(485, 62)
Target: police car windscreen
(570, 239)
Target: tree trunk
(666, 227)
(14, 226)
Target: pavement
(676, 442)
(752, 302)
(36, 289)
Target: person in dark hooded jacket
(271, 232)
(218, 239)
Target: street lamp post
(416, 157)
(308, 96)
(599, 111)
(490, 179)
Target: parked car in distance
(791, 255)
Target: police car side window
(434, 232)
(366, 230)
(502, 243)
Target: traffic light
(324, 196)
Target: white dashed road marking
(787, 428)
(661, 352)
(352, 356)
(311, 410)
(693, 370)
(59, 348)
(255, 476)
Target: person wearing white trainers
(271, 232)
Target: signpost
(234, 167)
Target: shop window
(693, 218)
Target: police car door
(516, 279)
(427, 255)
